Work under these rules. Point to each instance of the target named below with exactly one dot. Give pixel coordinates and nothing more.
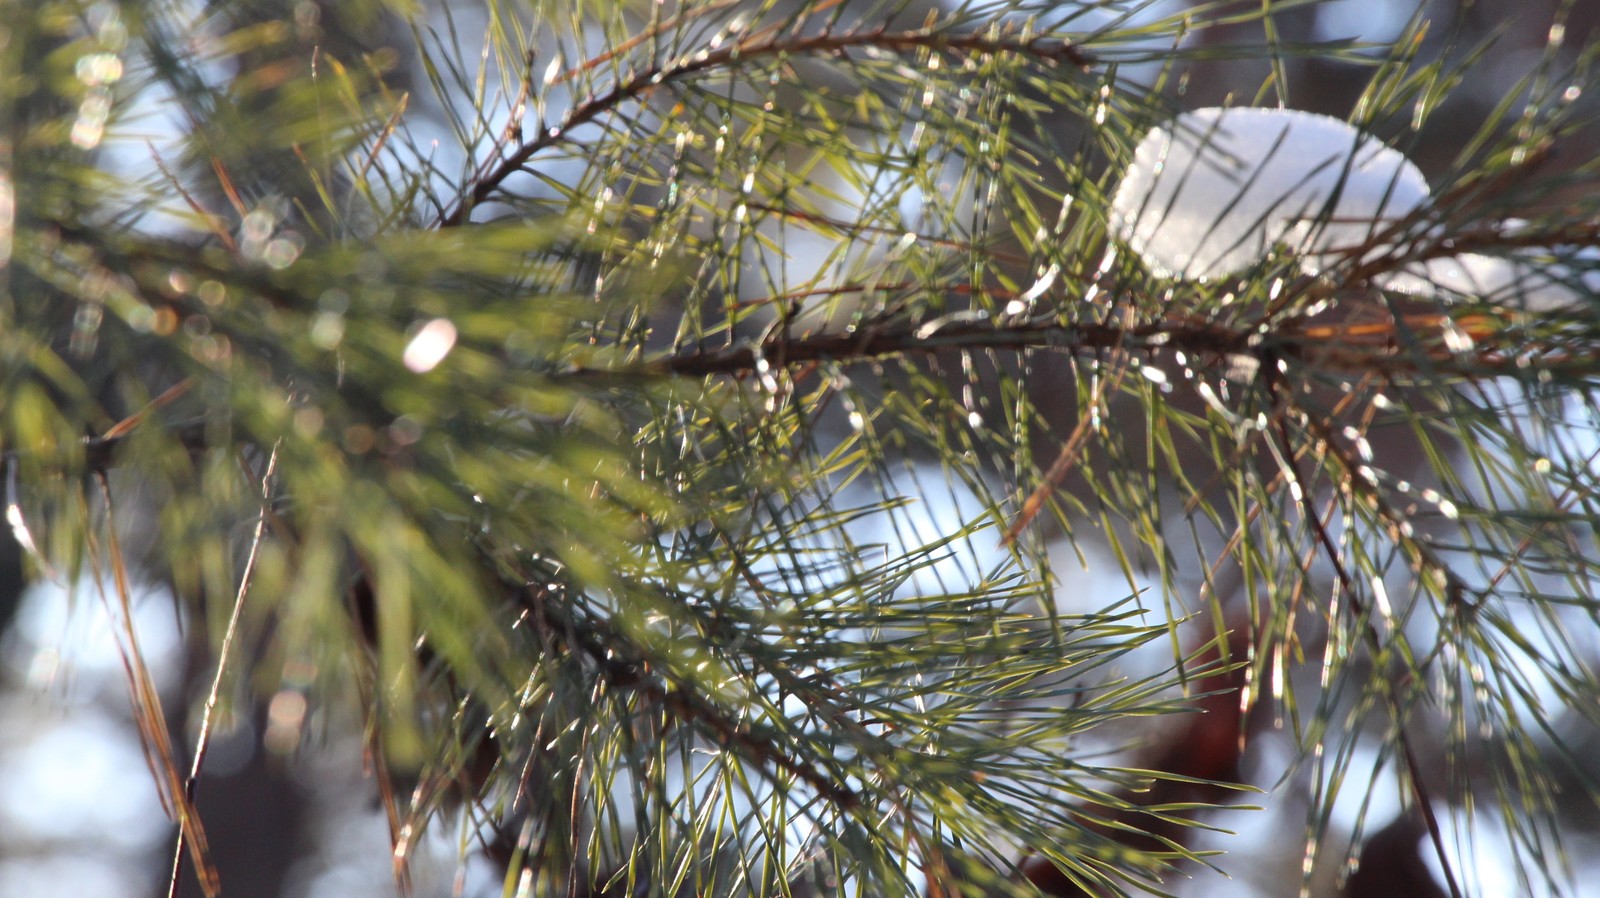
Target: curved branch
(761, 44)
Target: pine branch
(1345, 584)
(1332, 349)
(624, 667)
(767, 42)
(729, 611)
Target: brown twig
(1356, 350)
(148, 716)
(1067, 458)
(911, 339)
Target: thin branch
(911, 339)
(621, 672)
(1357, 350)
(1070, 451)
(1335, 349)
(765, 44)
(652, 33)
(690, 706)
(202, 742)
(1423, 557)
(1346, 586)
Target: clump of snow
(1480, 276)
(1213, 193)
(1531, 279)
(1218, 189)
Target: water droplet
(1380, 595)
(1045, 281)
(1456, 339)
(96, 69)
(8, 217)
(430, 345)
(327, 329)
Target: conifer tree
(828, 447)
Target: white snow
(1217, 190)
(1214, 192)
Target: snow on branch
(1218, 190)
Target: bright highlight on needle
(429, 347)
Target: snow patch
(1218, 190)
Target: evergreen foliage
(681, 429)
